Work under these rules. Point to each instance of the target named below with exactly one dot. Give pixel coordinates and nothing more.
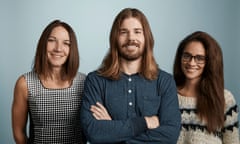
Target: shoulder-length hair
(210, 101)
(110, 66)
(41, 65)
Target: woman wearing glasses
(209, 112)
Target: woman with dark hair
(209, 112)
(51, 93)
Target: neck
(55, 74)
(130, 67)
(54, 80)
(189, 89)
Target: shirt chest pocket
(151, 104)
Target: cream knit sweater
(194, 131)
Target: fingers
(96, 116)
(152, 122)
(101, 107)
(100, 112)
(97, 112)
(96, 109)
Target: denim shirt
(128, 100)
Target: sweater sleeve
(169, 116)
(231, 124)
(105, 131)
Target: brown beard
(128, 56)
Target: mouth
(132, 44)
(56, 55)
(191, 70)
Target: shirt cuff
(139, 125)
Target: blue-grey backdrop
(171, 20)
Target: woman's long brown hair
(110, 66)
(210, 101)
(41, 65)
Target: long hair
(41, 65)
(110, 66)
(210, 101)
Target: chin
(193, 77)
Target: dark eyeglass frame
(199, 59)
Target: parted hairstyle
(110, 66)
(210, 98)
(41, 65)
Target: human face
(192, 69)
(131, 40)
(58, 46)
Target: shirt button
(130, 103)
(129, 91)
(129, 79)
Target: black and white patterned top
(54, 113)
(194, 130)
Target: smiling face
(191, 67)
(131, 39)
(58, 46)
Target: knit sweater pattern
(194, 130)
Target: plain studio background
(22, 23)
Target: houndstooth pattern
(54, 113)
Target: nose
(58, 46)
(192, 61)
(131, 36)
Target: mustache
(131, 43)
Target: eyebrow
(138, 28)
(125, 29)
(194, 55)
(51, 36)
(56, 38)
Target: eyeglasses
(199, 59)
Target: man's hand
(152, 122)
(100, 112)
